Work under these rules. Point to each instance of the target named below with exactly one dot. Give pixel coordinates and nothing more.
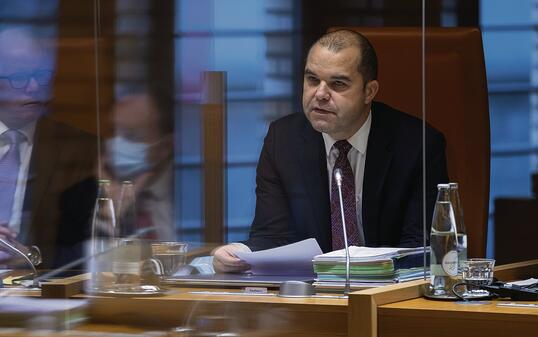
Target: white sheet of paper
(292, 259)
(367, 253)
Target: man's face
(335, 98)
(22, 56)
(136, 119)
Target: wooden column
(213, 107)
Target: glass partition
(166, 129)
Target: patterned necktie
(348, 200)
(9, 172)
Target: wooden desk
(377, 312)
(274, 316)
(396, 310)
(421, 317)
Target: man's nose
(322, 92)
(32, 86)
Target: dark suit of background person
(61, 192)
(293, 187)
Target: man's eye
(339, 85)
(312, 79)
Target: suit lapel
(312, 159)
(46, 153)
(378, 158)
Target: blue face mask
(126, 158)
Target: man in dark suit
(377, 149)
(47, 167)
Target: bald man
(377, 148)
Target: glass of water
(172, 255)
(475, 273)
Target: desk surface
(422, 317)
(390, 311)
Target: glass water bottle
(443, 242)
(460, 224)
(102, 239)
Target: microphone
(338, 178)
(32, 258)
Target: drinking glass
(173, 255)
(475, 273)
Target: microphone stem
(21, 254)
(347, 285)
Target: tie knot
(343, 147)
(13, 137)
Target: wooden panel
(421, 317)
(64, 288)
(214, 145)
(517, 271)
(270, 316)
(363, 305)
(516, 229)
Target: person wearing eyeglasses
(42, 162)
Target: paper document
(369, 253)
(293, 259)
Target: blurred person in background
(140, 151)
(47, 186)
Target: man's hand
(9, 236)
(225, 260)
(6, 233)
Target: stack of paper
(370, 266)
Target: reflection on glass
(460, 225)
(102, 239)
(140, 152)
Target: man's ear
(370, 91)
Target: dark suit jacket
(60, 192)
(292, 192)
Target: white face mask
(126, 158)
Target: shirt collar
(28, 130)
(359, 140)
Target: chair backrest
(456, 103)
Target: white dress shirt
(25, 148)
(357, 160)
